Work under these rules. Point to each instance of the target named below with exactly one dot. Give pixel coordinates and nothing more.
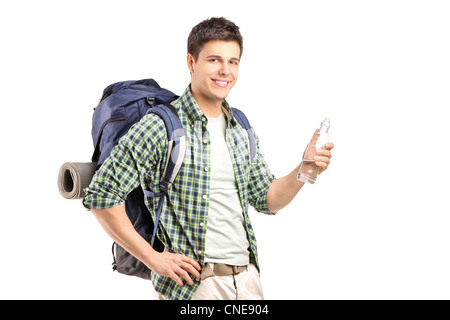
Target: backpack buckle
(151, 100)
(164, 185)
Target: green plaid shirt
(139, 159)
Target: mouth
(221, 83)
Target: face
(214, 72)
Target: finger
(319, 159)
(329, 146)
(175, 278)
(321, 164)
(193, 268)
(190, 265)
(189, 268)
(324, 153)
(192, 262)
(315, 137)
(182, 273)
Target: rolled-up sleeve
(113, 181)
(260, 180)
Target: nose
(224, 69)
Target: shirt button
(206, 168)
(204, 196)
(203, 119)
(200, 252)
(202, 224)
(205, 140)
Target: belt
(220, 269)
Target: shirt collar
(193, 111)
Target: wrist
(150, 257)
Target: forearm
(283, 190)
(117, 225)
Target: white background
(374, 226)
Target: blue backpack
(122, 105)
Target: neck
(211, 111)
(210, 107)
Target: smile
(221, 83)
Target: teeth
(222, 82)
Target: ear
(190, 62)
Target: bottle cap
(325, 123)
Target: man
(210, 244)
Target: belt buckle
(235, 270)
(238, 269)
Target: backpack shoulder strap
(175, 155)
(243, 121)
(177, 143)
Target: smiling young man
(210, 244)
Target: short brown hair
(213, 29)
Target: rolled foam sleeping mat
(74, 177)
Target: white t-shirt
(226, 238)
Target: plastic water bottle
(308, 169)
